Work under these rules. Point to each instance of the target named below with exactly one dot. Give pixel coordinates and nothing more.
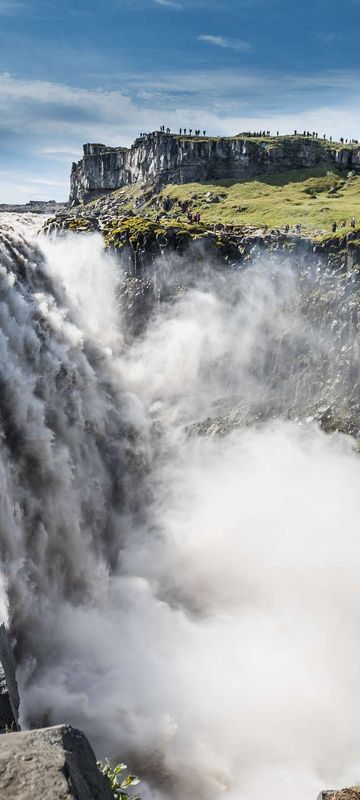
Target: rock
(212, 198)
(341, 794)
(159, 158)
(9, 696)
(53, 764)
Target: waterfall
(179, 510)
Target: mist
(178, 534)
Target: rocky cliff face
(166, 158)
(9, 696)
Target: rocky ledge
(141, 238)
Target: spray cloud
(189, 600)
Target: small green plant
(119, 784)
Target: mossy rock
(139, 231)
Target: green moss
(80, 225)
(138, 229)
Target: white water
(191, 602)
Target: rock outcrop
(166, 158)
(352, 793)
(9, 696)
(53, 763)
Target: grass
(315, 197)
(299, 196)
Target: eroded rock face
(53, 763)
(9, 696)
(167, 158)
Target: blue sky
(73, 71)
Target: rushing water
(179, 538)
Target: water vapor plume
(179, 536)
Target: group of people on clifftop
(183, 131)
(255, 134)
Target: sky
(74, 71)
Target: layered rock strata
(166, 158)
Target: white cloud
(10, 7)
(221, 41)
(169, 4)
(46, 182)
(49, 122)
(54, 151)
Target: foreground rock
(341, 794)
(53, 763)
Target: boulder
(341, 794)
(53, 763)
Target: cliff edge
(164, 158)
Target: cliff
(166, 158)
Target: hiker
(190, 131)
(353, 222)
(190, 217)
(287, 228)
(298, 228)
(184, 131)
(180, 131)
(167, 130)
(204, 133)
(334, 227)
(343, 224)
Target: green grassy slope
(314, 197)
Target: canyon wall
(167, 158)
